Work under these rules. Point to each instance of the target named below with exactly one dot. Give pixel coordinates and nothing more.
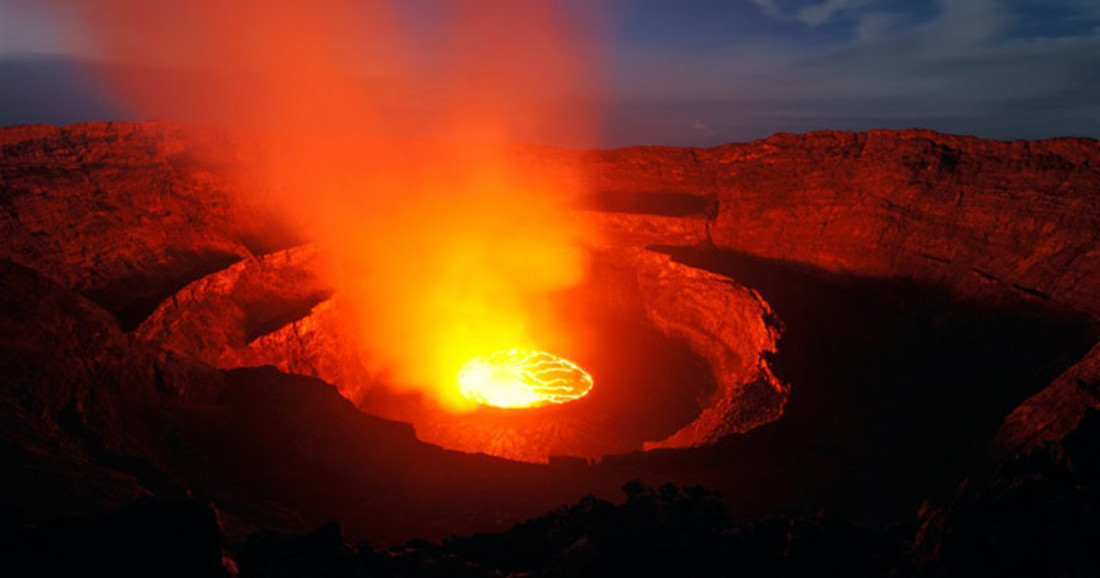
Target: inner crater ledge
(678, 354)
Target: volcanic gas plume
(389, 155)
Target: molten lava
(522, 378)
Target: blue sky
(706, 72)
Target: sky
(706, 72)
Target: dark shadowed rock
(321, 553)
(1005, 224)
(1056, 410)
(929, 284)
(1036, 515)
(150, 538)
(669, 531)
(287, 452)
(82, 403)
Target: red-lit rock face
(132, 220)
(913, 204)
(841, 200)
(726, 325)
(982, 217)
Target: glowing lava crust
(514, 378)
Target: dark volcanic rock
(982, 217)
(151, 538)
(94, 419)
(218, 318)
(670, 531)
(1056, 410)
(319, 553)
(733, 329)
(1004, 224)
(288, 452)
(125, 213)
(81, 403)
(108, 227)
(1036, 515)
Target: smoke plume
(385, 138)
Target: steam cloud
(442, 247)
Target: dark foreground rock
(1035, 515)
(150, 538)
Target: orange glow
(522, 378)
(389, 151)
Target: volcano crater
(678, 354)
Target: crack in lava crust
(512, 378)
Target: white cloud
(819, 14)
(876, 26)
(814, 15)
(701, 127)
(966, 25)
(959, 71)
(769, 7)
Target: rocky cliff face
(981, 217)
(1005, 223)
(137, 273)
(127, 214)
(83, 424)
(1054, 412)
